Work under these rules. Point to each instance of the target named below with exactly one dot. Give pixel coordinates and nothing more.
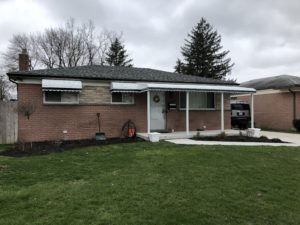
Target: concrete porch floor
(183, 135)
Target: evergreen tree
(179, 67)
(117, 56)
(203, 55)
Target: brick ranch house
(64, 102)
(277, 101)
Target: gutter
(11, 80)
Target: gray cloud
(263, 36)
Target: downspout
(11, 80)
(294, 103)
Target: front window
(198, 100)
(122, 98)
(60, 97)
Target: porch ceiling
(139, 87)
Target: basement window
(122, 98)
(61, 97)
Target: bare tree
(27, 109)
(16, 44)
(5, 88)
(46, 51)
(64, 46)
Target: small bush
(296, 123)
(222, 135)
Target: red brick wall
(49, 121)
(274, 111)
(198, 119)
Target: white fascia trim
(143, 87)
(29, 81)
(267, 92)
(102, 83)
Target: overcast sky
(263, 36)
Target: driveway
(293, 139)
(288, 137)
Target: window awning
(61, 85)
(143, 87)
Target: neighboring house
(63, 102)
(277, 101)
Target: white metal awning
(61, 85)
(143, 87)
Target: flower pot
(154, 137)
(253, 132)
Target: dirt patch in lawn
(46, 147)
(239, 138)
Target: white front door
(157, 111)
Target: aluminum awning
(140, 87)
(61, 85)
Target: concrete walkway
(293, 139)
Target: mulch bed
(239, 139)
(46, 147)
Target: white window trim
(197, 109)
(60, 103)
(122, 103)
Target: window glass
(116, 97)
(69, 97)
(52, 96)
(210, 100)
(198, 100)
(61, 97)
(126, 98)
(182, 100)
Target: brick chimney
(24, 60)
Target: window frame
(60, 103)
(197, 109)
(122, 103)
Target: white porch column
(252, 111)
(187, 108)
(148, 112)
(222, 112)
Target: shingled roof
(96, 72)
(274, 82)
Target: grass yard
(144, 183)
(3, 147)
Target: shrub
(296, 123)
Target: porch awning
(61, 85)
(143, 87)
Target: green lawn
(144, 183)
(3, 147)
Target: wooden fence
(8, 122)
